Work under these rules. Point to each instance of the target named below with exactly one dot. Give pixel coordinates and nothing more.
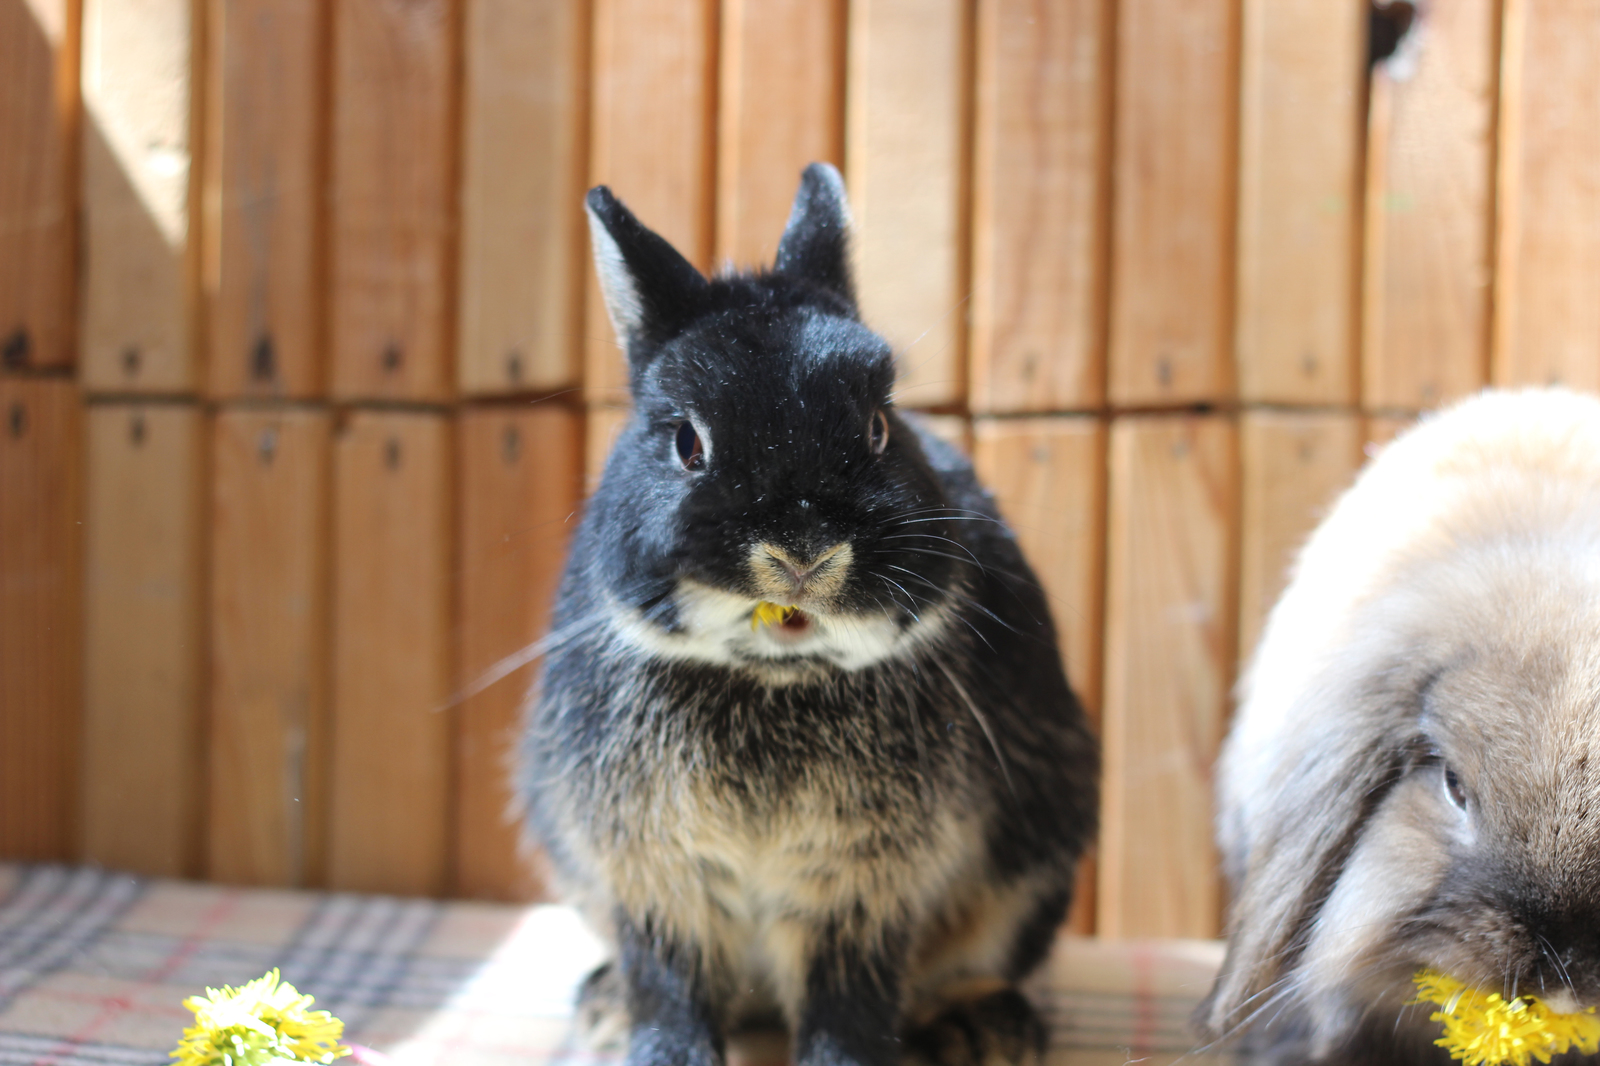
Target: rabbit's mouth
(726, 627)
(796, 625)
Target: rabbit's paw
(997, 1029)
(603, 1010)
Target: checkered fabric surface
(94, 967)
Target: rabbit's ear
(650, 289)
(816, 242)
(1303, 833)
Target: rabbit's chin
(714, 627)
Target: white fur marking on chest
(716, 630)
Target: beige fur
(1446, 613)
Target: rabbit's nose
(819, 574)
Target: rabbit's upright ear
(816, 242)
(651, 291)
(1305, 828)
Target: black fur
(942, 790)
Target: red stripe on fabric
(116, 1006)
(1144, 1000)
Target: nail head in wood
(17, 349)
(263, 360)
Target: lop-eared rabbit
(1413, 776)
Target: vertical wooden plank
(1429, 212)
(1169, 662)
(1173, 197)
(907, 108)
(1049, 477)
(1547, 316)
(1294, 464)
(1303, 66)
(652, 139)
(267, 106)
(781, 106)
(1381, 429)
(954, 430)
(523, 166)
(38, 117)
(521, 477)
(142, 752)
(269, 638)
(394, 75)
(1041, 177)
(140, 271)
(41, 448)
(389, 809)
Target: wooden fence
(302, 365)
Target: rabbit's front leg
(672, 1021)
(851, 1012)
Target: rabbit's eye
(1453, 788)
(878, 432)
(690, 452)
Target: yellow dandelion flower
(254, 1024)
(768, 613)
(1483, 1029)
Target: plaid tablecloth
(94, 967)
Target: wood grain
(41, 573)
(1294, 465)
(907, 120)
(1302, 69)
(267, 105)
(1429, 213)
(1379, 430)
(1041, 178)
(521, 477)
(1173, 202)
(389, 802)
(1547, 320)
(143, 765)
(38, 194)
(780, 107)
(393, 160)
(954, 430)
(653, 140)
(1049, 477)
(1170, 654)
(269, 646)
(524, 161)
(140, 268)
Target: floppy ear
(650, 290)
(1305, 827)
(816, 242)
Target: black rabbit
(856, 810)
